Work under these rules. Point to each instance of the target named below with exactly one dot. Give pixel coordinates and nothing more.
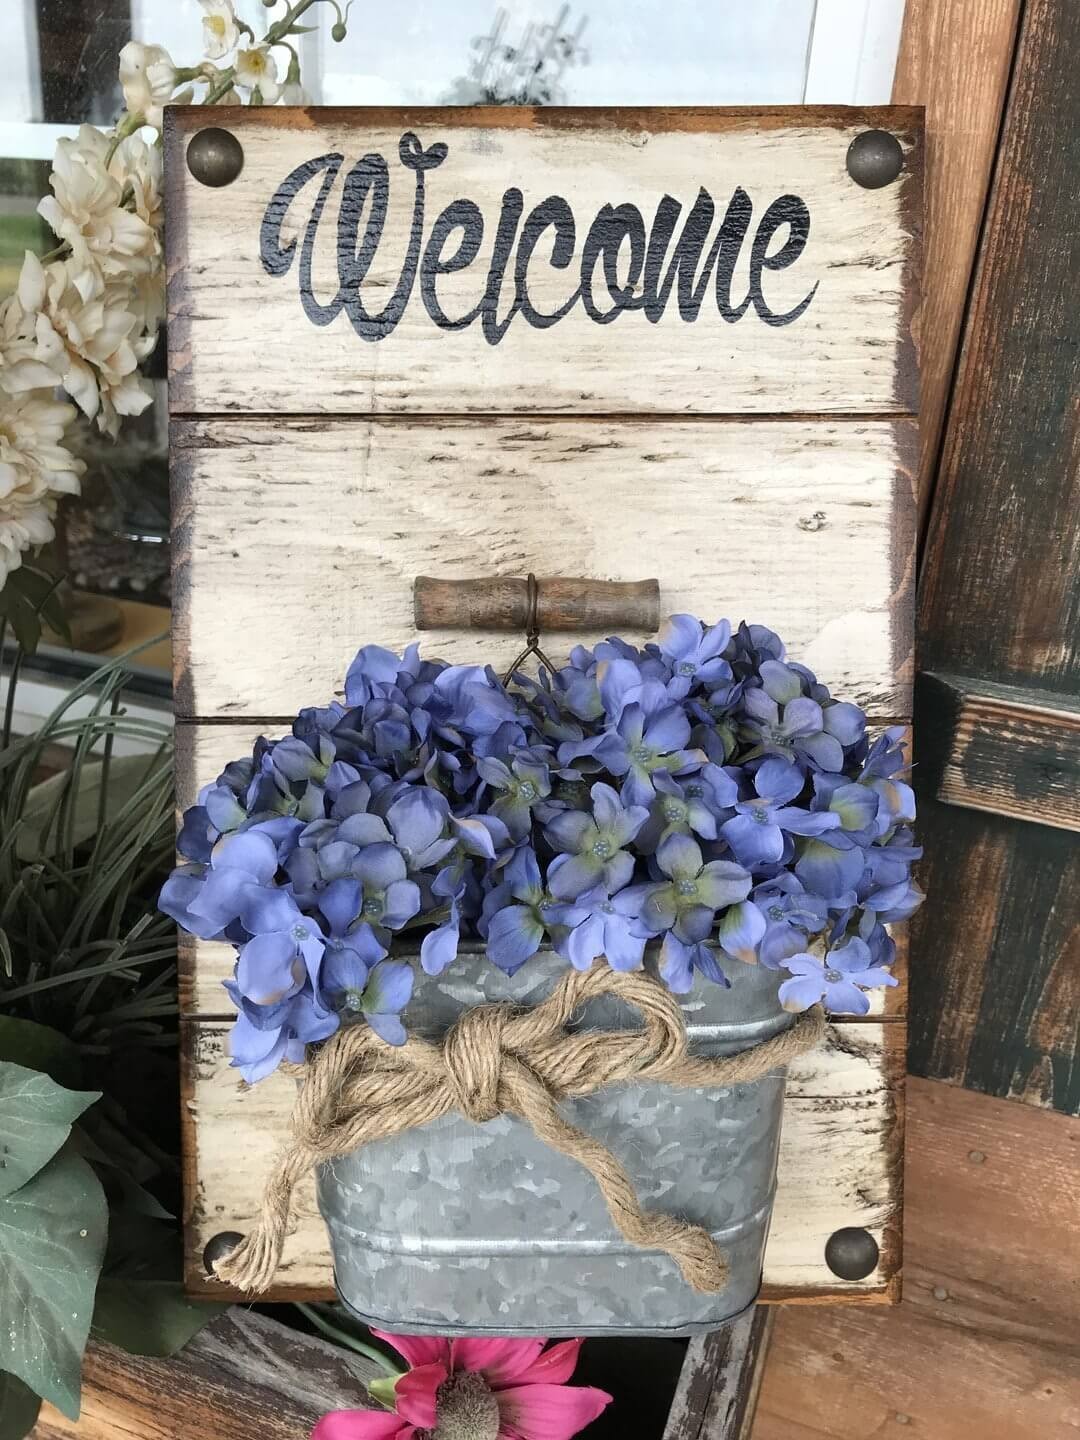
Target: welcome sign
(673, 345)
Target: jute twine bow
(499, 1060)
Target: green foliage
(89, 1186)
(19, 1407)
(27, 600)
(36, 1116)
(53, 1220)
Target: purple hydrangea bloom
(704, 793)
(835, 981)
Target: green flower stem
(223, 86)
(342, 1337)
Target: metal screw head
(215, 157)
(218, 1247)
(851, 1253)
(874, 158)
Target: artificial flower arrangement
(86, 315)
(702, 799)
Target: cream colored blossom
(107, 240)
(148, 80)
(35, 468)
(256, 69)
(220, 30)
(93, 346)
(21, 367)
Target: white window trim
(31, 140)
(852, 54)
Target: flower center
(695, 791)
(602, 849)
(527, 791)
(775, 913)
(759, 814)
(833, 977)
(642, 754)
(299, 933)
(216, 25)
(373, 905)
(686, 887)
(465, 1409)
(687, 667)
(674, 812)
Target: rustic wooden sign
(674, 344)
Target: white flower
(255, 68)
(293, 93)
(86, 210)
(21, 367)
(148, 79)
(220, 31)
(93, 346)
(35, 468)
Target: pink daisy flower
(474, 1389)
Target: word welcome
(621, 267)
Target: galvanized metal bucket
(466, 1229)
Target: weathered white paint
(239, 340)
(297, 542)
(837, 1160)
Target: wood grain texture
(244, 1377)
(955, 58)
(333, 520)
(1006, 750)
(718, 1389)
(849, 350)
(839, 1164)
(558, 602)
(1001, 582)
(987, 1340)
(997, 983)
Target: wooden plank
(822, 515)
(1006, 750)
(987, 1340)
(1001, 581)
(718, 1389)
(998, 985)
(955, 58)
(817, 318)
(244, 1377)
(839, 1164)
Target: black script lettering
(276, 257)
(613, 225)
(463, 215)
(555, 214)
(788, 210)
(641, 270)
(509, 220)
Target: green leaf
(36, 1116)
(39, 1047)
(19, 1407)
(22, 614)
(41, 591)
(37, 832)
(148, 1317)
(52, 1238)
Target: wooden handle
(501, 602)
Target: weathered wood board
(337, 248)
(821, 512)
(726, 405)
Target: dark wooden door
(996, 987)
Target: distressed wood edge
(885, 1291)
(960, 709)
(903, 560)
(912, 220)
(182, 120)
(181, 394)
(717, 1392)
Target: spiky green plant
(89, 1184)
(82, 857)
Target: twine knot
(497, 1060)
